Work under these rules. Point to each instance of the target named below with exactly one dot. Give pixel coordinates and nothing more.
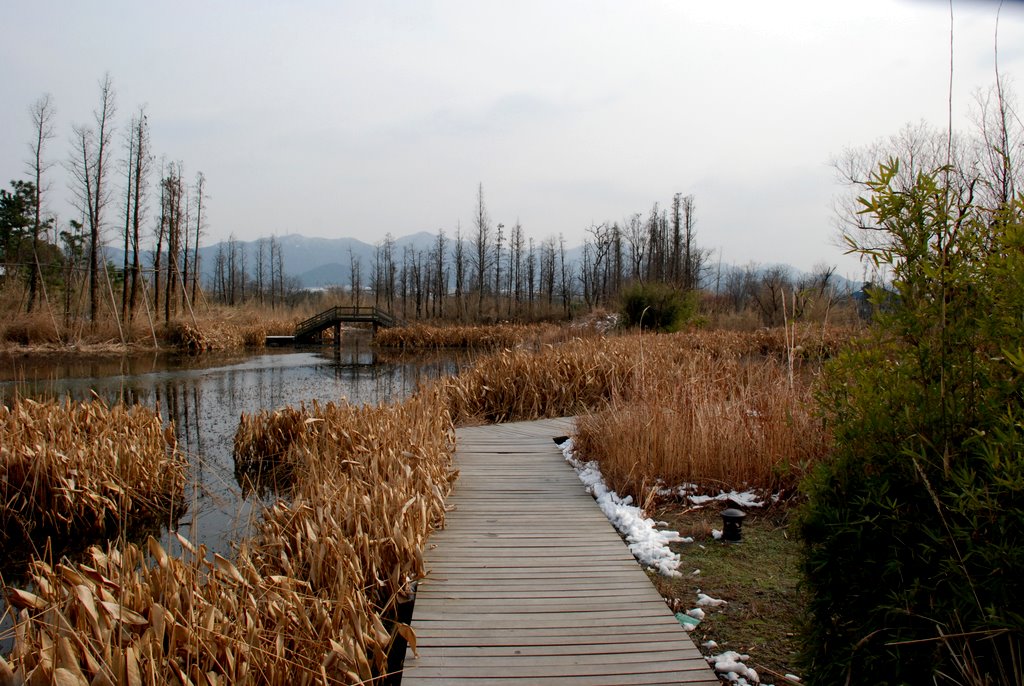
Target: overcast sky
(361, 118)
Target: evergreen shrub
(656, 306)
(914, 528)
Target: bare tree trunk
(42, 121)
(142, 161)
(130, 167)
(480, 243)
(200, 196)
(104, 122)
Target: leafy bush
(914, 529)
(657, 306)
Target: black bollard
(732, 523)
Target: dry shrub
(83, 468)
(222, 328)
(490, 337)
(310, 598)
(717, 422)
(28, 329)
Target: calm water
(204, 398)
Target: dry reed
(489, 337)
(719, 423)
(554, 381)
(82, 468)
(310, 598)
(714, 408)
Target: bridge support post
(337, 336)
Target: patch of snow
(729, 665)
(704, 600)
(709, 645)
(743, 499)
(648, 545)
(793, 677)
(695, 572)
(716, 534)
(696, 613)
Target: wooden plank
(530, 584)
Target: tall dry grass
(310, 598)
(554, 381)
(713, 408)
(209, 328)
(712, 421)
(477, 337)
(219, 328)
(83, 468)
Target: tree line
(109, 173)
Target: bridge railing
(339, 313)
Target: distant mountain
(312, 262)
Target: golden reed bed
(83, 469)
(310, 598)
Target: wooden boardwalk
(530, 584)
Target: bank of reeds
(719, 423)
(554, 381)
(475, 337)
(211, 328)
(712, 408)
(82, 469)
(222, 329)
(310, 598)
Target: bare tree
(161, 233)
(637, 239)
(497, 268)
(692, 256)
(481, 250)
(440, 275)
(42, 112)
(566, 280)
(200, 197)
(531, 275)
(139, 164)
(548, 260)
(355, 276)
(459, 258)
(774, 281)
(260, 271)
(276, 271)
(89, 171)
(515, 268)
(172, 213)
(919, 148)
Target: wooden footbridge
(312, 329)
(530, 584)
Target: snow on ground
(704, 600)
(749, 498)
(648, 545)
(729, 666)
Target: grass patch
(759, 578)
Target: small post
(732, 524)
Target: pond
(204, 397)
